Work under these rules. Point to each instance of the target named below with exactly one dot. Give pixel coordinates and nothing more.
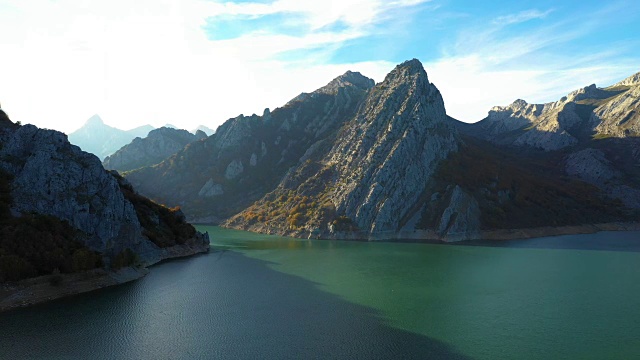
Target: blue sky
(196, 62)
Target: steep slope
(53, 190)
(103, 140)
(152, 149)
(576, 118)
(400, 170)
(248, 156)
(372, 177)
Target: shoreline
(430, 236)
(39, 290)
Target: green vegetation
(35, 245)
(164, 226)
(125, 258)
(513, 195)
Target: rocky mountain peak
(346, 80)
(409, 68)
(630, 81)
(95, 120)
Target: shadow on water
(223, 305)
(603, 241)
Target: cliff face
(154, 148)
(400, 169)
(373, 179)
(49, 176)
(248, 155)
(387, 154)
(102, 140)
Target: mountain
(61, 210)
(204, 129)
(594, 130)
(158, 145)
(586, 113)
(248, 155)
(101, 139)
(354, 160)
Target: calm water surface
(265, 297)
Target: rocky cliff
(158, 145)
(372, 178)
(356, 161)
(591, 129)
(103, 140)
(586, 113)
(248, 155)
(47, 176)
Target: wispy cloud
(494, 65)
(521, 17)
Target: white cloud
(491, 66)
(521, 17)
(149, 61)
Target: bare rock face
(461, 219)
(158, 145)
(386, 155)
(374, 179)
(248, 155)
(53, 177)
(576, 118)
(630, 81)
(620, 117)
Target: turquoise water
(261, 297)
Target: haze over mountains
(103, 140)
(354, 160)
(158, 145)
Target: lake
(266, 297)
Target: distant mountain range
(103, 140)
(360, 160)
(152, 149)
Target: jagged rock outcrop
(372, 181)
(158, 145)
(632, 80)
(619, 117)
(400, 170)
(248, 155)
(103, 140)
(386, 155)
(576, 118)
(50, 176)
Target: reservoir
(264, 297)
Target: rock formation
(248, 155)
(152, 149)
(49, 176)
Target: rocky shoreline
(40, 290)
(433, 236)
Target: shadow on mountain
(223, 305)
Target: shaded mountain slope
(57, 199)
(158, 145)
(248, 155)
